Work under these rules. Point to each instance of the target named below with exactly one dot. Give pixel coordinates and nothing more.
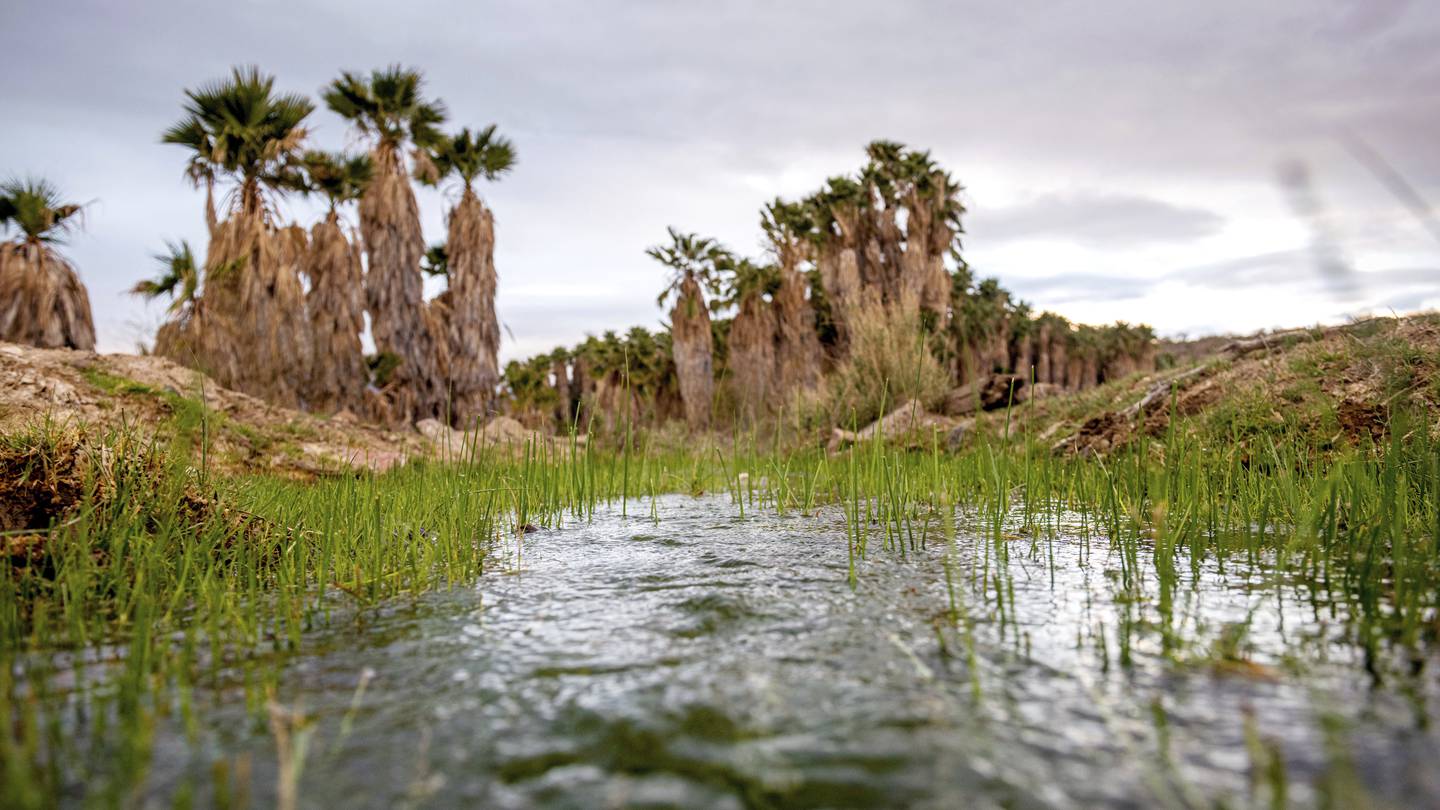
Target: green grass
(181, 577)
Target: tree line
(244, 314)
(866, 269)
(867, 254)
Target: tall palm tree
(240, 131)
(749, 288)
(179, 278)
(692, 263)
(239, 128)
(42, 301)
(336, 300)
(838, 239)
(560, 376)
(471, 328)
(388, 106)
(789, 227)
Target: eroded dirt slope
(156, 396)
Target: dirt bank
(158, 397)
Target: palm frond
(239, 127)
(472, 155)
(36, 208)
(387, 105)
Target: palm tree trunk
(42, 301)
(797, 350)
(394, 291)
(1059, 360)
(693, 352)
(336, 310)
(935, 297)
(1074, 373)
(840, 278)
(472, 331)
(1042, 362)
(564, 406)
(752, 356)
(580, 384)
(251, 333)
(1025, 356)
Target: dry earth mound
(156, 396)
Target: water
(711, 660)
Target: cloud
(1065, 288)
(1096, 220)
(633, 116)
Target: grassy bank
(138, 577)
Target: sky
(1201, 167)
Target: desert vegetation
(209, 586)
(862, 299)
(42, 300)
(852, 525)
(293, 301)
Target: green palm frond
(688, 255)
(340, 177)
(179, 276)
(743, 279)
(240, 127)
(470, 155)
(388, 105)
(36, 208)
(436, 261)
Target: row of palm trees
(245, 314)
(887, 237)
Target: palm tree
(179, 278)
(692, 262)
(240, 130)
(559, 360)
(471, 328)
(42, 301)
(838, 240)
(337, 176)
(388, 107)
(749, 288)
(239, 127)
(789, 228)
(336, 302)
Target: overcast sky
(1121, 159)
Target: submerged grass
(144, 580)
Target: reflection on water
(715, 661)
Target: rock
(907, 418)
(502, 430)
(984, 394)
(439, 433)
(1038, 391)
(956, 438)
(1049, 433)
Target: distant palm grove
(862, 299)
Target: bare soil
(156, 396)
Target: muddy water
(711, 660)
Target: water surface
(712, 660)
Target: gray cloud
(1064, 288)
(631, 116)
(1096, 220)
